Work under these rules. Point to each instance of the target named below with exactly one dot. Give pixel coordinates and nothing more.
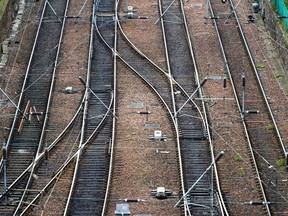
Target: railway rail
(93, 161)
(161, 93)
(187, 154)
(255, 111)
(56, 153)
(26, 136)
(195, 139)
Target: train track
(52, 156)
(137, 63)
(26, 136)
(266, 147)
(147, 77)
(195, 142)
(93, 161)
(188, 151)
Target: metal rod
(243, 96)
(54, 11)
(165, 12)
(30, 114)
(23, 116)
(80, 13)
(82, 80)
(37, 113)
(127, 6)
(4, 172)
(220, 154)
(11, 101)
(201, 84)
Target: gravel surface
(14, 71)
(142, 165)
(227, 129)
(72, 62)
(225, 122)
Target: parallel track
(266, 146)
(194, 145)
(25, 138)
(174, 88)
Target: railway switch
(161, 193)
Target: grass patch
(241, 171)
(279, 76)
(3, 5)
(260, 66)
(281, 162)
(270, 127)
(237, 157)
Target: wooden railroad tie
(32, 112)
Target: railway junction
(143, 108)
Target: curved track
(93, 160)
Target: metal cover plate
(137, 105)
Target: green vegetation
(241, 171)
(270, 127)
(279, 76)
(281, 162)
(263, 165)
(3, 5)
(237, 157)
(260, 66)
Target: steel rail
(94, 28)
(48, 104)
(23, 86)
(238, 103)
(49, 149)
(206, 125)
(148, 82)
(183, 91)
(158, 68)
(258, 79)
(85, 110)
(114, 108)
(38, 159)
(174, 105)
(204, 115)
(70, 159)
